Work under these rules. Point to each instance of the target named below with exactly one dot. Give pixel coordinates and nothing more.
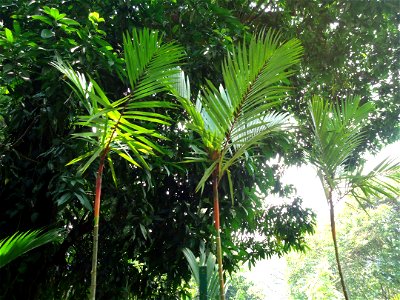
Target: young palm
(336, 135)
(208, 261)
(235, 117)
(113, 125)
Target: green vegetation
(336, 134)
(369, 243)
(236, 117)
(241, 288)
(212, 280)
(150, 207)
(150, 66)
(21, 242)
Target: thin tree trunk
(333, 230)
(218, 238)
(96, 227)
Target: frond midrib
(238, 111)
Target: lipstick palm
(116, 127)
(237, 116)
(337, 132)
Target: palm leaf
(118, 125)
(21, 242)
(150, 64)
(382, 180)
(236, 116)
(337, 132)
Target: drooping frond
(22, 242)
(247, 134)
(382, 181)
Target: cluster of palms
(230, 119)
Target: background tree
(369, 246)
(241, 288)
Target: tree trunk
(96, 228)
(218, 238)
(333, 230)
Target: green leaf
(69, 22)
(17, 27)
(53, 12)
(206, 176)
(63, 199)
(230, 186)
(193, 264)
(22, 242)
(84, 201)
(9, 35)
(79, 158)
(96, 154)
(43, 19)
(111, 164)
(144, 231)
(46, 33)
(94, 17)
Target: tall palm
(237, 116)
(117, 126)
(337, 132)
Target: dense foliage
(148, 219)
(369, 246)
(241, 288)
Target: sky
(309, 187)
(269, 275)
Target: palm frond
(21, 242)
(150, 63)
(337, 132)
(248, 134)
(382, 181)
(119, 126)
(236, 116)
(254, 78)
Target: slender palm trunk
(333, 230)
(96, 227)
(218, 238)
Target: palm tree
(336, 132)
(237, 116)
(114, 125)
(19, 243)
